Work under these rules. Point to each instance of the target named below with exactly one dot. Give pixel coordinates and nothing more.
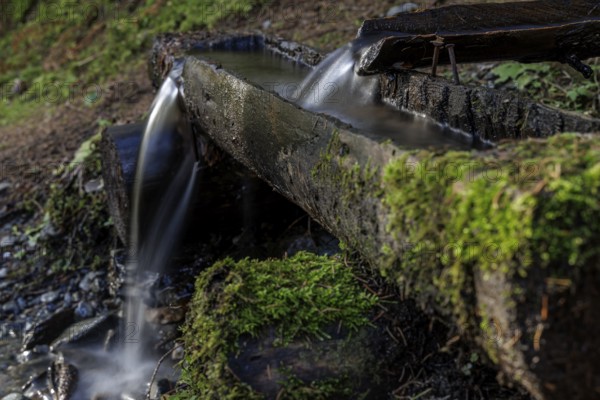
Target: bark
(489, 114)
(555, 30)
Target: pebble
(14, 396)
(4, 186)
(49, 297)
(10, 307)
(86, 282)
(401, 9)
(178, 353)
(84, 310)
(41, 349)
(3, 272)
(266, 24)
(7, 241)
(94, 185)
(22, 303)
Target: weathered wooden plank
(555, 30)
(403, 221)
(541, 329)
(490, 114)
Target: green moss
(59, 49)
(297, 298)
(76, 226)
(532, 204)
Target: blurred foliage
(553, 84)
(60, 47)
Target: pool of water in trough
(333, 88)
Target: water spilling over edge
(154, 233)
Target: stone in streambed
(89, 330)
(49, 329)
(164, 315)
(401, 9)
(62, 379)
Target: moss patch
(76, 227)
(296, 298)
(532, 204)
(66, 51)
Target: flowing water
(335, 89)
(155, 229)
(156, 223)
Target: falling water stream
(154, 233)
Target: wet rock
(84, 310)
(8, 241)
(10, 307)
(49, 329)
(41, 349)
(93, 185)
(302, 243)
(89, 330)
(62, 379)
(86, 282)
(164, 315)
(22, 303)
(14, 396)
(160, 388)
(178, 353)
(266, 24)
(403, 8)
(49, 297)
(166, 335)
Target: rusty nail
(450, 48)
(436, 55)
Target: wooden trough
(500, 243)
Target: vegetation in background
(556, 85)
(60, 50)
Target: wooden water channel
(538, 321)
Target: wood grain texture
(525, 31)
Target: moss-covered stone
(305, 315)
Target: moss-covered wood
(346, 181)
(297, 328)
